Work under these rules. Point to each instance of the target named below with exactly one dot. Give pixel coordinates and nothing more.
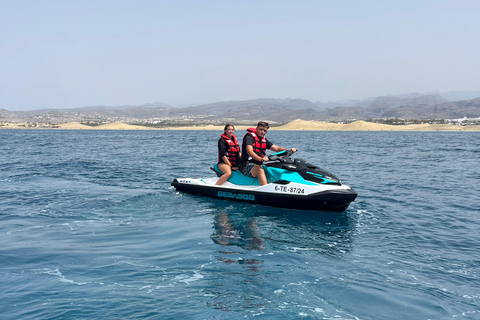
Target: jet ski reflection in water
(292, 183)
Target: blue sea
(90, 228)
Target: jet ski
(292, 183)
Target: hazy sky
(72, 53)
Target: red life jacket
(232, 151)
(259, 146)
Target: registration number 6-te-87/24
(290, 189)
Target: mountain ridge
(409, 106)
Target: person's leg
(257, 171)
(227, 173)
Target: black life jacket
(232, 151)
(260, 145)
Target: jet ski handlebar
(282, 156)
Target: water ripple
(91, 228)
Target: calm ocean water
(91, 229)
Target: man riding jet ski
(254, 148)
(294, 184)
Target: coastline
(296, 125)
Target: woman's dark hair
(263, 124)
(228, 125)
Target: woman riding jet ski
(294, 184)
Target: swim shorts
(247, 168)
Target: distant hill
(153, 105)
(248, 110)
(460, 95)
(409, 106)
(384, 107)
(446, 110)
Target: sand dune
(74, 125)
(296, 125)
(366, 126)
(369, 126)
(411, 127)
(120, 126)
(441, 127)
(208, 127)
(471, 128)
(308, 125)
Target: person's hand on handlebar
(294, 150)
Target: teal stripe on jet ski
(239, 178)
(275, 174)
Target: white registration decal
(290, 189)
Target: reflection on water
(232, 230)
(237, 230)
(264, 228)
(239, 237)
(257, 246)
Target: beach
(296, 125)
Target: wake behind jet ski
(294, 184)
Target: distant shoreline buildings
(392, 110)
(463, 124)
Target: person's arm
(223, 152)
(253, 155)
(225, 159)
(249, 147)
(278, 149)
